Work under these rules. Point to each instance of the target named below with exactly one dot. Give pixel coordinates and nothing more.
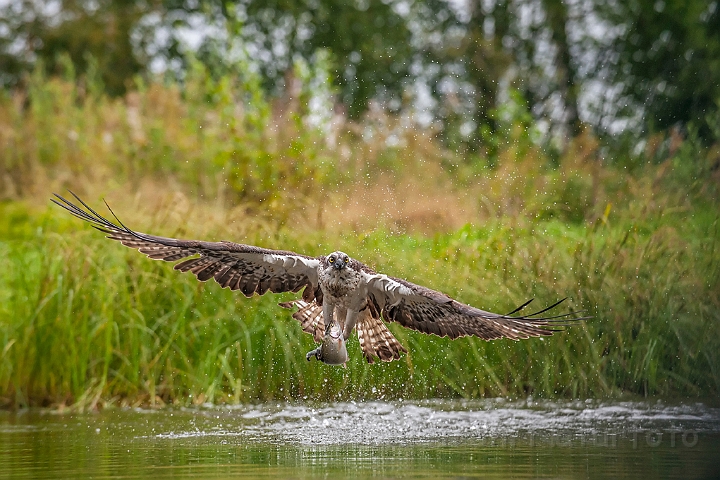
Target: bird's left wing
(241, 267)
(428, 311)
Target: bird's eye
(331, 259)
(346, 259)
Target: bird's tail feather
(376, 340)
(310, 316)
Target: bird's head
(337, 260)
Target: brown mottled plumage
(335, 287)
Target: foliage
(86, 32)
(86, 322)
(668, 59)
(643, 66)
(209, 133)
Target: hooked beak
(339, 264)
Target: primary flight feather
(339, 293)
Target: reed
(88, 322)
(85, 322)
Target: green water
(434, 439)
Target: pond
(427, 439)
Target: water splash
(387, 423)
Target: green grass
(87, 322)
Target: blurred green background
(497, 151)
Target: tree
(99, 28)
(662, 56)
(557, 15)
(668, 59)
(369, 42)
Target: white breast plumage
(338, 285)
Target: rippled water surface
(434, 439)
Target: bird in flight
(339, 293)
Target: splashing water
(492, 438)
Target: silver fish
(332, 350)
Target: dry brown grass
(407, 206)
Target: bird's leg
(328, 309)
(350, 320)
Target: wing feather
(432, 312)
(247, 268)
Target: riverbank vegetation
(630, 235)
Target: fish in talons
(332, 350)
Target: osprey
(339, 293)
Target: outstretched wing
(428, 311)
(241, 267)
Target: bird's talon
(312, 353)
